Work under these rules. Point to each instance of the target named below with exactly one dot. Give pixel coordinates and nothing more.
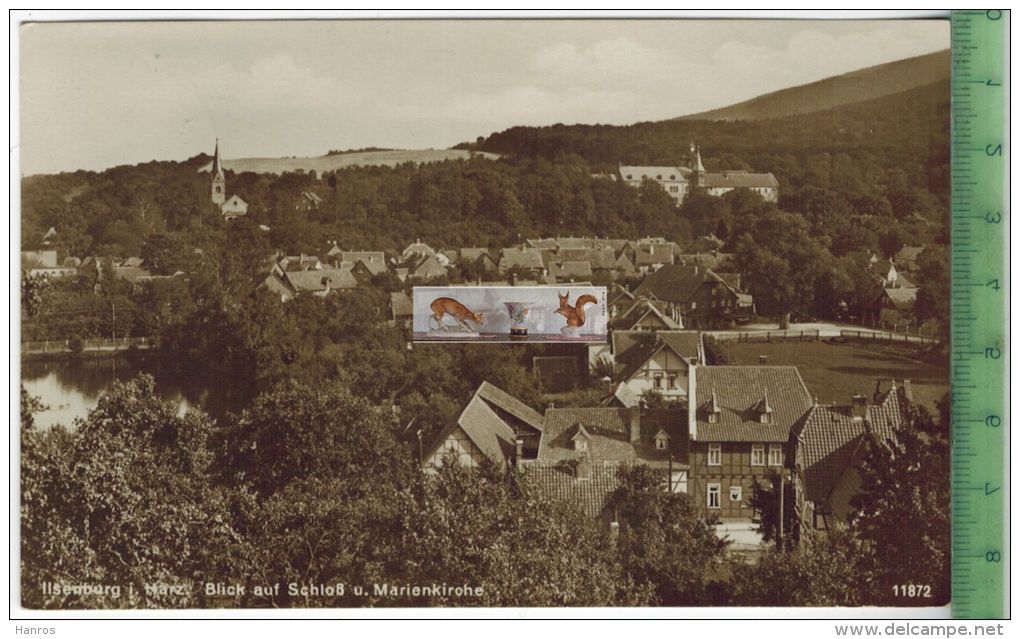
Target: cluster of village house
(727, 427)
(730, 427)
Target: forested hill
(849, 88)
(908, 131)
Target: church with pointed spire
(680, 181)
(232, 207)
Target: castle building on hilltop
(679, 181)
(232, 208)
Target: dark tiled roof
(738, 390)
(622, 396)
(638, 173)
(560, 483)
(647, 254)
(687, 344)
(340, 277)
(901, 298)
(489, 421)
(309, 281)
(609, 435)
(631, 349)
(674, 282)
(530, 258)
(829, 437)
(640, 309)
(507, 402)
(738, 179)
(570, 269)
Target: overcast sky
(95, 95)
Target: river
(71, 388)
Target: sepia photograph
(487, 313)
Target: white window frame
(715, 452)
(759, 451)
(778, 451)
(716, 491)
(737, 493)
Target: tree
(32, 293)
(300, 432)
(781, 262)
(934, 289)
(124, 499)
(901, 512)
(494, 529)
(822, 571)
(665, 542)
(765, 502)
(166, 254)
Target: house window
(713, 496)
(757, 454)
(671, 381)
(736, 493)
(775, 455)
(713, 418)
(765, 418)
(580, 444)
(658, 381)
(660, 443)
(715, 454)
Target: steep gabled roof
(829, 438)
(677, 282)
(489, 421)
(311, 281)
(738, 391)
(507, 402)
(528, 258)
(621, 397)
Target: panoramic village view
(222, 405)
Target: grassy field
(833, 371)
(333, 162)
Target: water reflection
(70, 389)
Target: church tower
(219, 181)
(697, 168)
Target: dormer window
(661, 440)
(712, 409)
(581, 439)
(764, 410)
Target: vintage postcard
(504, 313)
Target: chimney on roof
(763, 360)
(859, 407)
(582, 469)
(635, 425)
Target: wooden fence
(88, 345)
(766, 336)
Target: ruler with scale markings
(980, 291)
